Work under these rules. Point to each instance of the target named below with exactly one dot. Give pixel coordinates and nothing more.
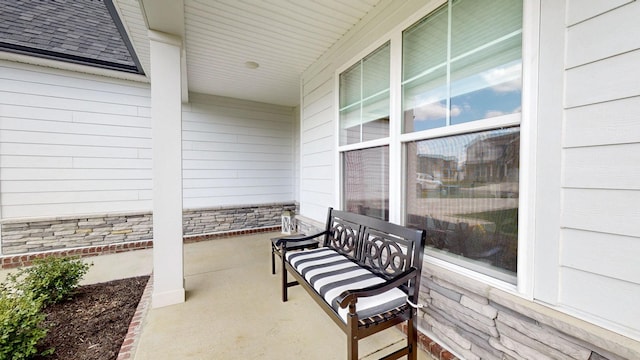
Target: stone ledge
(74, 217)
(203, 237)
(230, 207)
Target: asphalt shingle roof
(80, 31)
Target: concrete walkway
(234, 310)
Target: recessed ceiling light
(252, 64)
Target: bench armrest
(285, 240)
(351, 296)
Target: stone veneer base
(14, 261)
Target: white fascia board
(57, 64)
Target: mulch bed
(93, 324)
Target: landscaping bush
(48, 281)
(51, 279)
(20, 325)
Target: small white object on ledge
(287, 225)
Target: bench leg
(412, 335)
(352, 334)
(273, 261)
(352, 348)
(285, 282)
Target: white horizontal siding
(608, 211)
(82, 208)
(613, 301)
(600, 240)
(580, 10)
(585, 40)
(608, 167)
(605, 123)
(606, 80)
(72, 143)
(236, 152)
(317, 146)
(613, 256)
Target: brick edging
(132, 338)
(431, 347)
(14, 261)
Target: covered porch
(234, 116)
(234, 309)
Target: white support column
(166, 118)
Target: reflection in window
(364, 99)
(464, 191)
(366, 181)
(462, 63)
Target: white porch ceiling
(283, 36)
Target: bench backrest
(387, 249)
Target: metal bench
(366, 276)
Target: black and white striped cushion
(331, 273)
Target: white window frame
(527, 120)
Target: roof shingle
(80, 31)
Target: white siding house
(76, 148)
(72, 143)
(578, 260)
(77, 166)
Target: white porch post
(166, 118)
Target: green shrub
(51, 279)
(48, 281)
(20, 325)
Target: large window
(364, 116)
(456, 149)
(364, 99)
(463, 64)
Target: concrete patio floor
(234, 310)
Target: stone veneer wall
(46, 234)
(307, 226)
(199, 222)
(477, 321)
(25, 239)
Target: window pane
(425, 102)
(424, 45)
(376, 72)
(475, 23)
(366, 182)
(424, 73)
(364, 99)
(350, 86)
(376, 111)
(350, 125)
(464, 191)
(482, 86)
(486, 52)
(464, 70)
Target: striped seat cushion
(331, 273)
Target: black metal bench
(365, 276)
